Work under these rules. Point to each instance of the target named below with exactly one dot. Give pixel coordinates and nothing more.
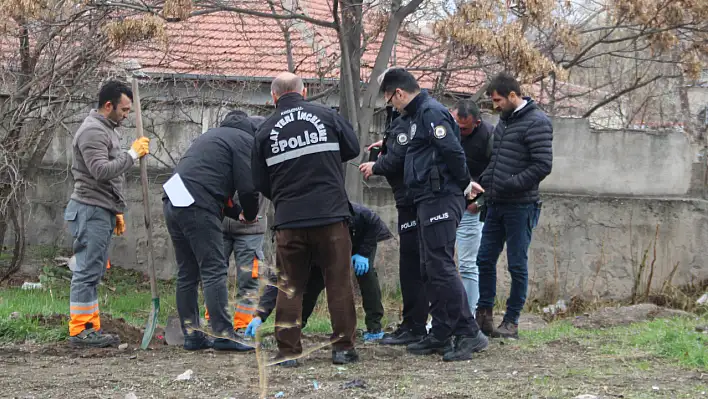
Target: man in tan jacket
(95, 210)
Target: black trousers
(199, 250)
(411, 277)
(370, 295)
(438, 219)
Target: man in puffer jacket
(522, 157)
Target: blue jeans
(511, 224)
(469, 236)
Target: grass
(126, 294)
(674, 339)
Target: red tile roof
(231, 44)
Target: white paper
(177, 192)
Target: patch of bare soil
(564, 369)
(624, 315)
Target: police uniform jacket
(390, 162)
(217, 164)
(297, 162)
(435, 163)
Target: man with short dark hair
(197, 197)
(477, 139)
(297, 164)
(95, 210)
(436, 175)
(521, 158)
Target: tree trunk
(371, 95)
(17, 217)
(349, 87)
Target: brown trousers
(328, 247)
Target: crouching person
(366, 230)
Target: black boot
(285, 363)
(429, 345)
(402, 336)
(465, 346)
(345, 357)
(197, 341)
(231, 344)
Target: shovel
(155, 308)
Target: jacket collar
(530, 106)
(105, 121)
(289, 99)
(416, 102)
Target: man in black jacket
(436, 174)
(477, 139)
(297, 163)
(521, 158)
(390, 165)
(197, 196)
(366, 230)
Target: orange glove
(140, 147)
(120, 225)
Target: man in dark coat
(197, 196)
(522, 156)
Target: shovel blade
(151, 323)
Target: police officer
(297, 164)
(436, 174)
(390, 165)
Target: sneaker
(90, 338)
(404, 338)
(197, 341)
(506, 329)
(345, 357)
(429, 345)
(465, 346)
(372, 336)
(230, 344)
(485, 320)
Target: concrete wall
(607, 193)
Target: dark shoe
(506, 329)
(429, 345)
(485, 320)
(197, 341)
(404, 338)
(466, 346)
(90, 338)
(345, 357)
(230, 344)
(290, 363)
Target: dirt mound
(610, 317)
(128, 334)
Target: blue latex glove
(360, 265)
(253, 326)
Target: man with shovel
(197, 197)
(95, 210)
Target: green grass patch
(674, 339)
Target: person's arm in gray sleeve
(93, 144)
